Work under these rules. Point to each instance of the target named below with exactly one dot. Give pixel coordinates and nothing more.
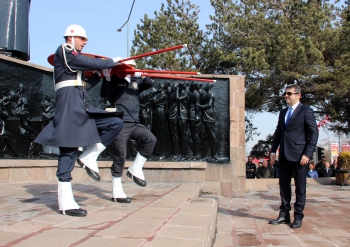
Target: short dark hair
(296, 87)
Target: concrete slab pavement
(243, 221)
(168, 214)
(161, 214)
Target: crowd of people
(323, 168)
(260, 168)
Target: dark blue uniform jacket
(72, 125)
(125, 96)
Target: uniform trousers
(286, 170)
(143, 137)
(108, 128)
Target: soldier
(76, 123)
(124, 93)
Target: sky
(48, 21)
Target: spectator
(255, 161)
(250, 168)
(264, 171)
(337, 168)
(261, 159)
(257, 170)
(334, 165)
(326, 171)
(266, 162)
(320, 164)
(312, 173)
(276, 169)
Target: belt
(111, 109)
(71, 83)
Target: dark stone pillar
(14, 28)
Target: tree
(175, 24)
(274, 42)
(338, 101)
(277, 43)
(262, 148)
(250, 130)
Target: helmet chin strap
(73, 43)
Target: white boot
(66, 202)
(118, 194)
(135, 170)
(89, 157)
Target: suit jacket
(324, 173)
(299, 137)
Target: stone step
(160, 214)
(262, 184)
(17, 170)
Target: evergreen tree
(337, 101)
(250, 130)
(277, 43)
(175, 24)
(274, 42)
(262, 148)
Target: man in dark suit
(296, 135)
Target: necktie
(289, 115)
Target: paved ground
(166, 215)
(243, 222)
(161, 214)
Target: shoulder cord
(69, 47)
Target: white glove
(137, 74)
(107, 73)
(97, 72)
(116, 59)
(127, 78)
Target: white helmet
(75, 30)
(130, 62)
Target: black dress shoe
(137, 180)
(280, 220)
(296, 224)
(94, 175)
(75, 212)
(121, 200)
